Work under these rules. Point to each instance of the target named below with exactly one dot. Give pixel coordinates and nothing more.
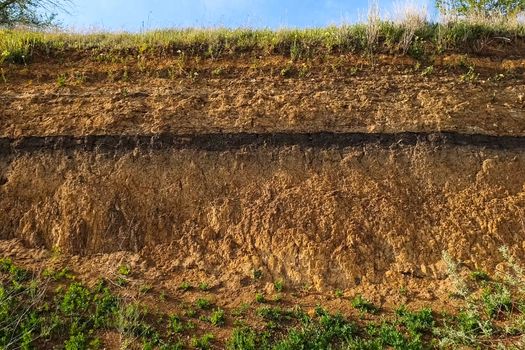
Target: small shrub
(496, 300)
(76, 299)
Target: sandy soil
(325, 217)
(340, 94)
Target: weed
(497, 299)
(479, 276)
(470, 75)
(204, 342)
(257, 274)
(203, 304)
(184, 286)
(204, 286)
(61, 274)
(287, 71)
(217, 317)
(145, 288)
(427, 71)
(364, 305)
(453, 270)
(338, 293)
(416, 322)
(76, 299)
(176, 324)
(190, 312)
(217, 72)
(278, 285)
(241, 310)
(259, 297)
(61, 80)
(124, 270)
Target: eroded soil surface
(338, 94)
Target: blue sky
(135, 15)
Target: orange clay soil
(271, 94)
(369, 218)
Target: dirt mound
(323, 216)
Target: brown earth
(325, 217)
(366, 217)
(340, 94)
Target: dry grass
(386, 36)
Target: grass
(427, 39)
(56, 309)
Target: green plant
(363, 304)
(338, 293)
(259, 297)
(124, 270)
(217, 317)
(241, 310)
(257, 274)
(61, 274)
(145, 288)
(278, 285)
(497, 299)
(176, 324)
(243, 338)
(204, 286)
(202, 303)
(416, 322)
(76, 299)
(204, 342)
(61, 80)
(479, 276)
(184, 286)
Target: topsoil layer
(272, 94)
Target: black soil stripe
(227, 141)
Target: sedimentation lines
(232, 141)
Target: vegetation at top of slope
(54, 309)
(35, 13)
(481, 7)
(417, 40)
